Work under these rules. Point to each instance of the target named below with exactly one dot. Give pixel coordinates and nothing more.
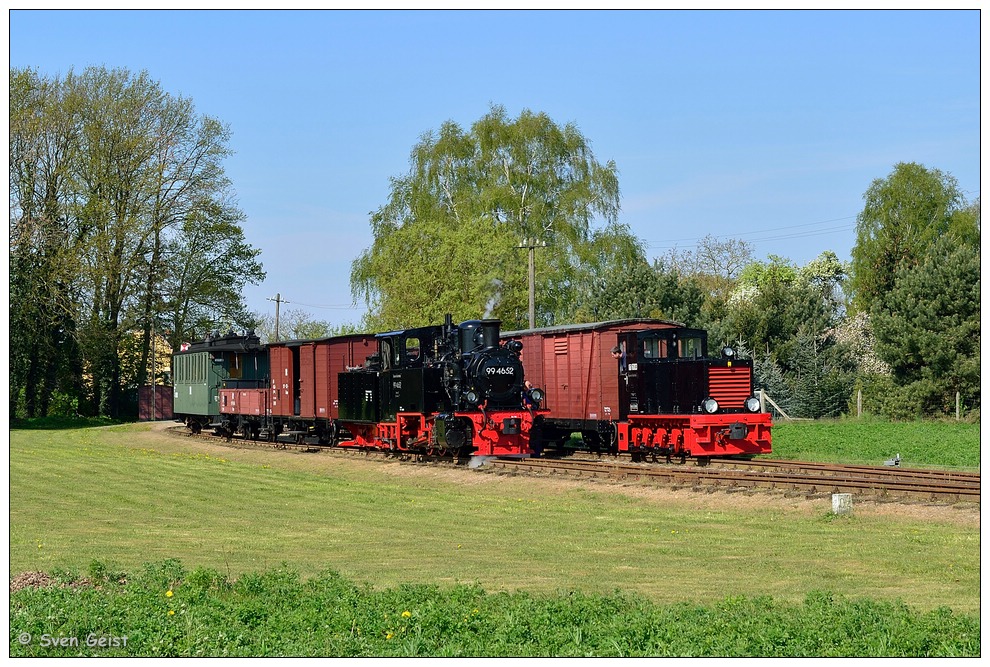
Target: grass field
(948, 444)
(126, 495)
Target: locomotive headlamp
(710, 405)
(472, 397)
(514, 346)
(728, 352)
(537, 395)
(753, 404)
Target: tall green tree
(788, 315)
(928, 329)
(903, 215)
(448, 238)
(44, 259)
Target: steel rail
(831, 480)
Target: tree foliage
(448, 238)
(928, 328)
(111, 181)
(296, 324)
(902, 217)
(788, 315)
(640, 290)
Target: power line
(791, 235)
(328, 306)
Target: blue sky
(758, 125)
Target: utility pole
(532, 245)
(278, 301)
(154, 373)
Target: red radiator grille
(730, 386)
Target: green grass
(948, 444)
(164, 610)
(125, 496)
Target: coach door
(627, 366)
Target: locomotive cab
(668, 371)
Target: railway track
(730, 475)
(811, 479)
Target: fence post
(957, 407)
(859, 403)
(763, 402)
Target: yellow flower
(406, 614)
(389, 636)
(171, 612)
(169, 594)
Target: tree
(715, 265)
(109, 174)
(903, 215)
(196, 298)
(928, 328)
(448, 238)
(789, 316)
(641, 290)
(44, 260)
(295, 324)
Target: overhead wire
(758, 234)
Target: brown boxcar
(301, 396)
(660, 394)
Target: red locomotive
(646, 387)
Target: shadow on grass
(61, 423)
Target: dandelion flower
(169, 594)
(171, 612)
(406, 614)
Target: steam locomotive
(444, 390)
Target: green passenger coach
(201, 369)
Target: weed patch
(166, 611)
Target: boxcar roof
(592, 326)
(329, 339)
